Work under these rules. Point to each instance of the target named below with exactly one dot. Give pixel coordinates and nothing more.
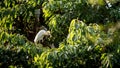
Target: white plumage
(39, 36)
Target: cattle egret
(39, 36)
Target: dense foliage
(85, 46)
(84, 32)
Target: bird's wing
(39, 35)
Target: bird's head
(48, 33)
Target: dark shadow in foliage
(19, 59)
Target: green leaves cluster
(85, 45)
(75, 29)
(58, 14)
(17, 51)
(18, 16)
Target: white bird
(39, 36)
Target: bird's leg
(52, 45)
(42, 40)
(35, 43)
